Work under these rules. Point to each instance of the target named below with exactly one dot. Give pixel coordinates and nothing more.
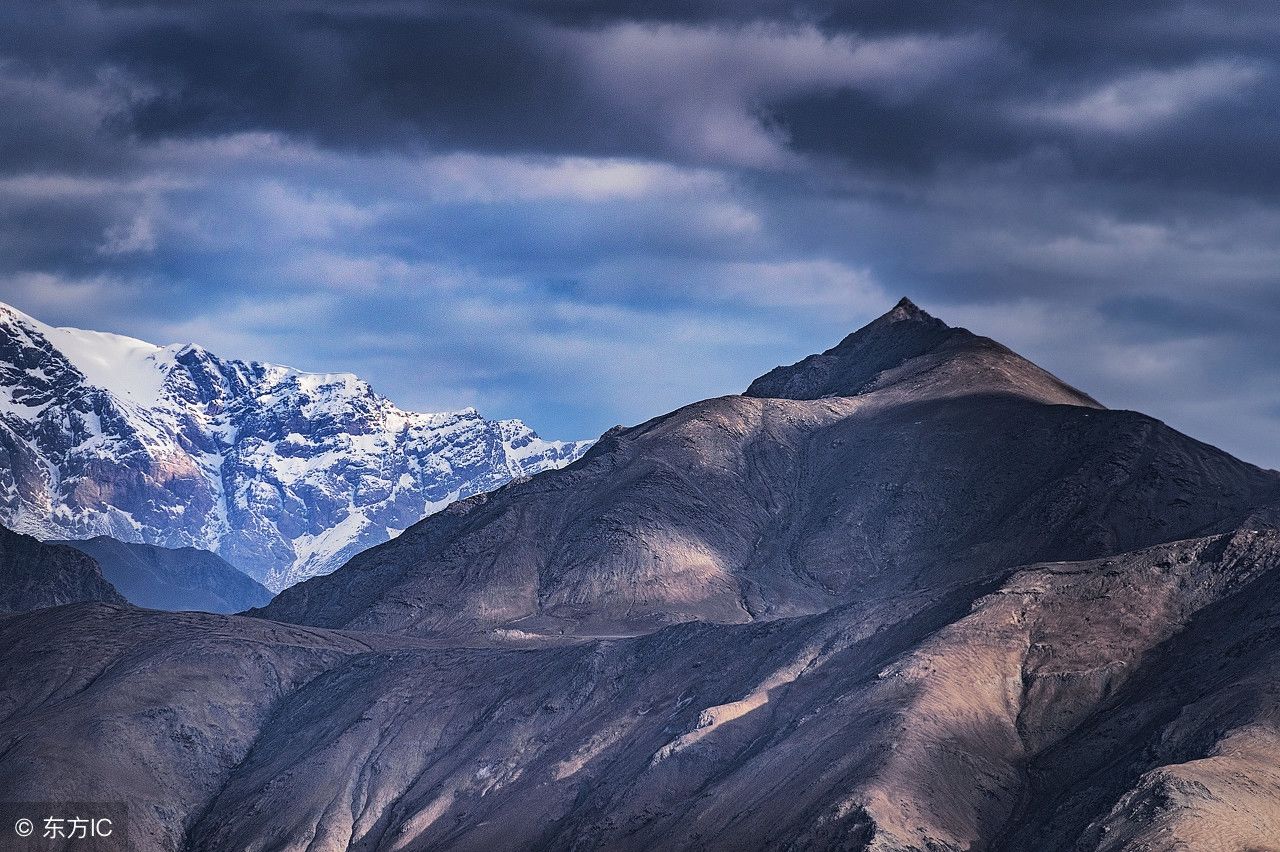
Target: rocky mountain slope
(34, 574)
(175, 579)
(284, 474)
(911, 594)
(955, 457)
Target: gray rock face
(35, 575)
(282, 473)
(961, 608)
(181, 579)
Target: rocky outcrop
(34, 575)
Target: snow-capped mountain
(285, 474)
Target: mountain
(284, 474)
(34, 575)
(175, 579)
(942, 457)
(913, 593)
(921, 355)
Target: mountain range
(911, 593)
(911, 454)
(36, 574)
(185, 578)
(282, 473)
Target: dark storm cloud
(1139, 92)
(537, 206)
(514, 77)
(368, 81)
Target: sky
(585, 214)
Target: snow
(434, 506)
(129, 368)
(350, 468)
(9, 406)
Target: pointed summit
(909, 346)
(906, 309)
(851, 367)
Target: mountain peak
(906, 317)
(907, 309)
(908, 346)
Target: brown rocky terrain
(910, 594)
(956, 459)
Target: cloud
(705, 92)
(311, 215)
(1141, 100)
(70, 301)
(136, 235)
(541, 206)
(489, 178)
